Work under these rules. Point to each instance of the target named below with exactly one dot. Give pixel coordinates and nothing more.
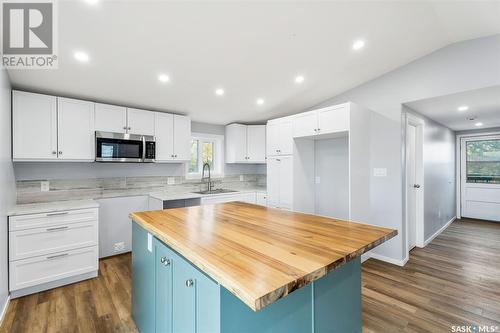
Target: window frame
(218, 163)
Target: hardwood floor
(455, 280)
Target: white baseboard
(4, 310)
(428, 240)
(390, 260)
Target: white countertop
(55, 206)
(47, 207)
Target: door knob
(416, 185)
(165, 261)
(189, 283)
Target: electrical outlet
(242, 178)
(45, 186)
(170, 180)
(119, 247)
(317, 179)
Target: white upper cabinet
(110, 118)
(34, 124)
(173, 137)
(75, 133)
(140, 122)
(164, 129)
(256, 143)
(279, 137)
(245, 143)
(182, 138)
(327, 120)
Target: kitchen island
(238, 267)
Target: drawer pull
(57, 256)
(57, 213)
(57, 228)
(165, 261)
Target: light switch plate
(242, 178)
(317, 179)
(170, 180)
(379, 172)
(45, 186)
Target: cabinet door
(182, 138)
(164, 128)
(207, 304)
(273, 181)
(273, 138)
(143, 280)
(184, 297)
(236, 143)
(75, 129)
(305, 124)
(261, 198)
(34, 123)
(140, 122)
(286, 183)
(163, 288)
(334, 119)
(110, 118)
(256, 143)
(286, 138)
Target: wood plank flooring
(455, 280)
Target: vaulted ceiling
(252, 50)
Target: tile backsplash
(29, 191)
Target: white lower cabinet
(280, 182)
(261, 198)
(52, 249)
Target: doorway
(480, 177)
(414, 182)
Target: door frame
(419, 123)
(460, 139)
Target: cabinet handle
(57, 228)
(57, 213)
(124, 127)
(189, 283)
(54, 152)
(175, 155)
(60, 152)
(165, 261)
(57, 256)
(129, 128)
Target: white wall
(7, 184)
(439, 174)
(458, 67)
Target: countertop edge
(271, 297)
(53, 206)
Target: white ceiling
(483, 106)
(251, 49)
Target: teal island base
(170, 295)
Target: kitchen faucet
(203, 178)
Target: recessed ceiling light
(81, 56)
(259, 101)
(358, 44)
(478, 124)
(463, 108)
(219, 92)
(163, 78)
(299, 79)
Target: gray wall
(458, 67)
(54, 170)
(7, 184)
(439, 174)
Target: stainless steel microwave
(120, 147)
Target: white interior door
(480, 177)
(411, 135)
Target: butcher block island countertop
(260, 254)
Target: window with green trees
(483, 161)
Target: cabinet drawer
(32, 221)
(34, 271)
(40, 241)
